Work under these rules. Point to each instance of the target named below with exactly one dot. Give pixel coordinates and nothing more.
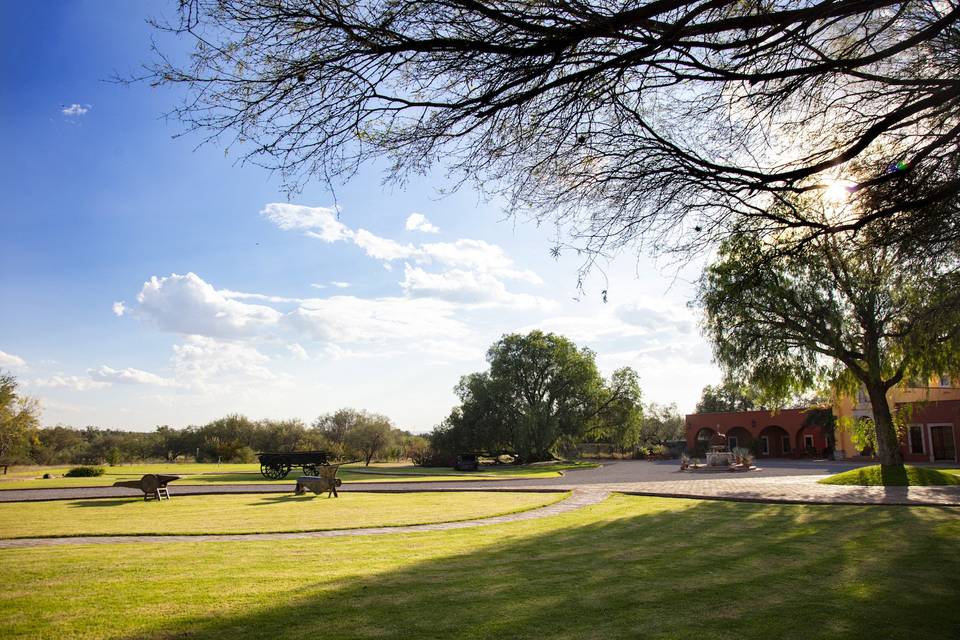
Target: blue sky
(147, 281)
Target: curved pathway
(779, 481)
(578, 499)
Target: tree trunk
(888, 444)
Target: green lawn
(631, 567)
(255, 513)
(31, 478)
(876, 475)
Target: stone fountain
(719, 455)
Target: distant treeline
(350, 434)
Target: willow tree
(836, 313)
(668, 121)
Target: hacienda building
(932, 433)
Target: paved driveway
(618, 474)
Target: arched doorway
(810, 441)
(773, 442)
(738, 437)
(702, 441)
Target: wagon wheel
(275, 471)
(310, 470)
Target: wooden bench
(326, 481)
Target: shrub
(85, 472)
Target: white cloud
(75, 110)
(206, 362)
(654, 319)
(76, 383)
(119, 308)
(319, 222)
(317, 285)
(477, 255)
(347, 319)
(459, 285)
(10, 360)
(297, 351)
(382, 248)
(419, 222)
(339, 284)
(128, 376)
(186, 304)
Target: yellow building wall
(849, 407)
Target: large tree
(728, 395)
(835, 312)
(19, 419)
(665, 120)
(539, 389)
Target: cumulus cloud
(319, 222)
(189, 305)
(459, 285)
(348, 319)
(128, 375)
(470, 264)
(203, 361)
(119, 308)
(75, 110)
(297, 351)
(77, 383)
(666, 322)
(419, 222)
(10, 360)
(382, 248)
(477, 255)
(654, 319)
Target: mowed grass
(630, 567)
(32, 477)
(255, 513)
(876, 475)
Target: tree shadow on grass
(104, 502)
(708, 570)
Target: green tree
(833, 313)
(370, 436)
(729, 395)
(19, 419)
(661, 423)
(539, 389)
(620, 421)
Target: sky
(147, 278)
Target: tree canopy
(671, 121)
(835, 313)
(19, 418)
(539, 389)
(729, 395)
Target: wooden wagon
(276, 465)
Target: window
(765, 445)
(945, 380)
(732, 442)
(785, 443)
(808, 441)
(916, 439)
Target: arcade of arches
(767, 434)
